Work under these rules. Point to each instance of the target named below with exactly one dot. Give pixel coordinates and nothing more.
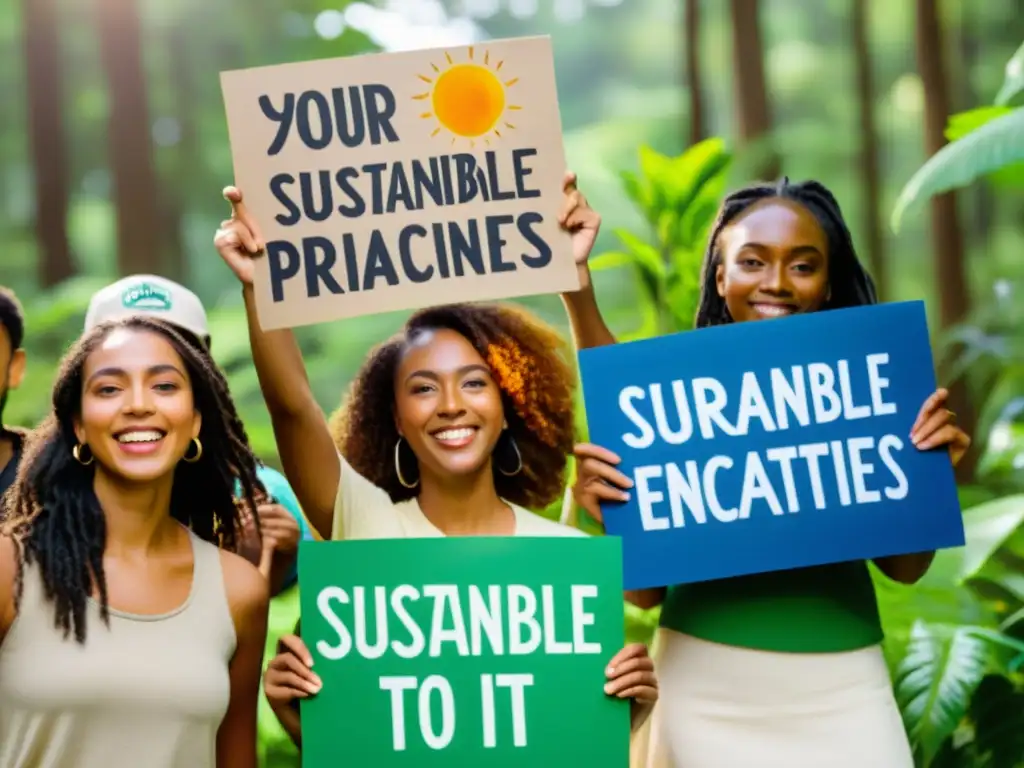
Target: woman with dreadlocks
(458, 426)
(126, 635)
(777, 669)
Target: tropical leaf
(1013, 82)
(646, 256)
(934, 683)
(963, 123)
(987, 527)
(995, 145)
(611, 260)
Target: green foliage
(678, 197)
(934, 684)
(985, 141)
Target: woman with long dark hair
(777, 669)
(127, 634)
(461, 425)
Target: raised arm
(588, 327)
(304, 442)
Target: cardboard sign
(463, 651)
(395, 181)
(763, 446)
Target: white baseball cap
(152, 296)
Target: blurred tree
(752, 109)
(136, 189)
(870, 175)
(947, 235)
(695, 88)
(186, 153)
(47, 140)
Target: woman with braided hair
(458, 426)
(777, 669)
(127, 636)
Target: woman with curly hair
(126, 633)
(457, 426)
(785, 668)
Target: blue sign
(763, 446)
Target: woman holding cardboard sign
(777, 669)
(457, 426)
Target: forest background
(113, 152)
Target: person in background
(281, 520)
(127, 635)
(12, 369)
(786, 668)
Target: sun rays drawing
(468, 100)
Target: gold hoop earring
(398, 467)
(198, 454)
(519, 457)
(77, 453)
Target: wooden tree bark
(691, 32)
(870, 175)
(947, 234)
(186, 154)
(753, 114)
(136, 191)
(47, 140)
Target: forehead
(132, 349)
(439, 350)
(776, 222)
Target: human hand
(289, 675)
(597, 479)
(238, 240)
(582, 222)
(631, 676)
(280, 526)
(936, 426)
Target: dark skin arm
(304, 442)
(584, 223)
(248, 600)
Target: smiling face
(447, 405)
(137, 415)
(774, 262)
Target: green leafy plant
(985, 141)
(678, 198)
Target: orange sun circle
(468, 100)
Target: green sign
(463, 652)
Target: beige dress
(147, 692)
(726, 707)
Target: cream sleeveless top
(364, 511)
(147, 692)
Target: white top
(364, 511)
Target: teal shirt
(279, 490)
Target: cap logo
(146, 296)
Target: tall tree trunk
(136, 191)
(186, 154)
(870, 175)
(44, 83)
(752, 109)
(691, 22)
(980, 200)
(947, 235)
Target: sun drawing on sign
(468, 99)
